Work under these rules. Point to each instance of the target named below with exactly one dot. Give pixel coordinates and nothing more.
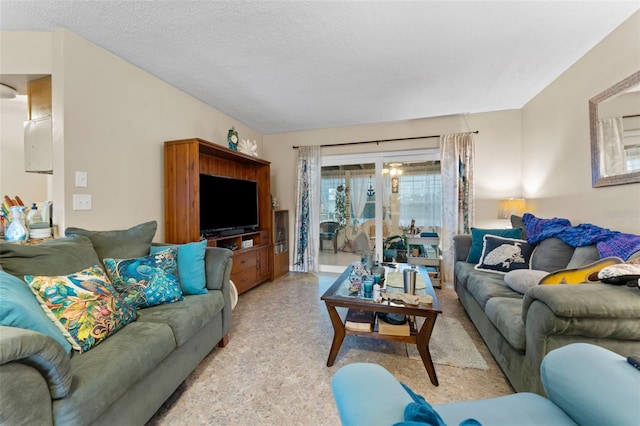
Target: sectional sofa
(520, 328)
(124, 378)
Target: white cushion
(521, 280)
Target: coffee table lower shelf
(419, 338)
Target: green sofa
(124, 379)
(520, 329)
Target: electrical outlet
(81, 179)
(82, 201)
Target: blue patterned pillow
(149, 280)
(83, 305)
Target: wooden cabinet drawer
(244, 280)
(242, 261)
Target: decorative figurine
(232, 139)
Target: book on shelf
(392, 329)
(359, 320)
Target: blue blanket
(609, 243)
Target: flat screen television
(227, 205)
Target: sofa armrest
(585, 301)
(24, 396)
(593, 385)
(461, 246)
(40, 352)
(218, 262)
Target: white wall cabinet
(38, 146)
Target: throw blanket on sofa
(609, 243)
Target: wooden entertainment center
(184, 160)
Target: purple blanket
(609, 243)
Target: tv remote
(634, 360)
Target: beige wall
(556, 160)
(110, 120)
(498, 153)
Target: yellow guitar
(585, 274)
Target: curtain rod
(631, 116)
(382, 140)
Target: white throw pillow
(521, 280)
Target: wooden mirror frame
(597, 180)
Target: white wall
(556, 155)
(111, 120)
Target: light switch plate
(81, 179)
(82, 201)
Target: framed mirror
(614, 119)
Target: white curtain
(458, 205)
(359, 186)
(613, 160)
(307, 209)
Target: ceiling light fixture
(7, 92)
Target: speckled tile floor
(273, 371)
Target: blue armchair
(585, 384)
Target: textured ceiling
(293, 65)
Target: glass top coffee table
(340, 296)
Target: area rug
(450, 345)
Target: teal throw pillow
(84, 305)
(147, 281)
(477, 235)
(190, 266)
(20, 308)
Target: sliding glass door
(372, 200)
(347, 212)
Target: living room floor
(273, 371)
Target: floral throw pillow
(147, 281)
(83, 305)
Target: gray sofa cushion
(107, 371)
(484, 286)
(583, 256)
(551, 254)
(505, 314)
(60, 256)
(463, 271)
(187, 317)
(120, 244)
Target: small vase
(17, 229)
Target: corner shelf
(280, 243)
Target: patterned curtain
(458, 205)
(307, 209)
